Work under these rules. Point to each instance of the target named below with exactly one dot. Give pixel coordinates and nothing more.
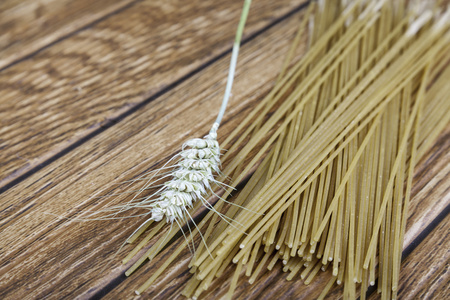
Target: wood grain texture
(68, 91)
(45, 255)
(27, 26)
(425, 273)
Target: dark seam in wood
(425, 232)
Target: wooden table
(95, 92)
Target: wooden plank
(86, 82)
(425, 273)
(47, 256)
(28, 26)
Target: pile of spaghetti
(331, 152)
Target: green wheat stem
(234, 56)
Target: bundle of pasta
(336, 141)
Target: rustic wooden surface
(101, 91)
(73, 88)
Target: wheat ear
(193, 174)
